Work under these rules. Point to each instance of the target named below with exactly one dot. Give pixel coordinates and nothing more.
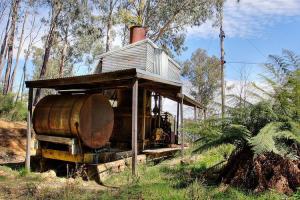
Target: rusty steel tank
(88, 117)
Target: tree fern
(237, 135)
(271, 138)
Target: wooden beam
(144, 117)
(134, 126)
(181, 127)
(177, 120)
(55, 139)
(28, 140)
(195, 113)
(78, 82)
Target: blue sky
(254, 29)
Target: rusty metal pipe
(137, 33)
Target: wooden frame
(130, 78)
(28, 140)
(181, 127)
(134, 125)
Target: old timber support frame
(134, 125)
(134, 79)
(28, 141)
(181, 126)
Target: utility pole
(222, 36)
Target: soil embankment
(12, 141)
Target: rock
(49, 174)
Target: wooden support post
(195, 113)
(134, 126)
(195, 120)
(177, 120)
(144, 118)
(181, 126)
(174, 131)
(28, 141)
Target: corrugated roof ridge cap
(140, 71)
(147, 40)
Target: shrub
(11, 110)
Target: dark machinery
(85, 127)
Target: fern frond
(269, 137)
(262, 90)
(256, 95)
(237, 135)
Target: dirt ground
(12, 141)
(17, 184)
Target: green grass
(178, 182)
(167, 180)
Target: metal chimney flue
(137, 33)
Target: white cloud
(249, 17)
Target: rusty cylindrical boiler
(87, 117)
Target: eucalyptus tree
(76, 40)
(10, 44)
(107, 11)
(203, 72)
(20, 46)
(55, 7)
(167, 20)
(32, 35)
(3, 49)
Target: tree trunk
(63, 53)
(21, 86)
(55, 14)
(3, 46)
(11, 82)
(10, 44)
(109, 26)
(3, 62)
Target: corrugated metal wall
(142, 56)
(134, 57)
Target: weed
(23, 172)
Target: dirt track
(12, 141)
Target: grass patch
(23, 172)
(165, 181)
(2, 178)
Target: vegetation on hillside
(168, 180)
(266, 135)
(12, 110)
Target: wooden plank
(94, 79)
(28, 140)
(106, 169)
(134, 125)
(55, 139)
(181, 127)
(160, 150)
(64, 155)
(153, 154)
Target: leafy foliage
(271, 125)
(11, 110)
(273, 138)
(203, 72)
